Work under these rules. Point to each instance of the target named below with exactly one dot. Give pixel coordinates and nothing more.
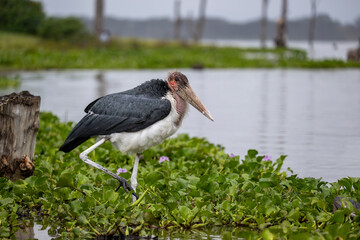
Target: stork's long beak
(189, 95)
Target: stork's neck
(180, 106)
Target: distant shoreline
(215, 28)
(24, 52)
(323, 49)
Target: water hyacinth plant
(9, 82)
(24, 52)
(201, 187)
(163, 159)
(121, 170)
(267, 158)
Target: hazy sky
(345, 11)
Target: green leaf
(82, 219)
(185, 213)
(294, 214)
(339, 216)
(226, 236)
(323, 217)
(279, 163)
(193, 179)
(267, 235)
(346, 182)
(6, 201)
(153, 177)
(110, 195)
(266, 182)
(269, 210)
(66, 179)
(76, 206)
(41, 182)
(252, 153)
(81, 179)
(31, 181)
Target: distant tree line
(215, 28)
(25, 16)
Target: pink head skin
(179, 84)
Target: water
(313, 116)
(321, 50)
(214, 233)
(33, 232)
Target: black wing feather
(91, 105)
(128, 111)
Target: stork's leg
(126, 186)
(133, 178)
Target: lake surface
(321, 49)
(313, 116)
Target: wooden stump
(19, 122)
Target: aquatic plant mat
(23, 52)
(200, 187)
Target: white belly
(137, 142)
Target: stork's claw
(126, 186)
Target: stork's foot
(126, 186)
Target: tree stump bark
(19, 122)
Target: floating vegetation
(28, 52)
(9, 82)
(184, 183)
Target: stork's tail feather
(79, 134)
(70, 144)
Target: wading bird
(135, 120)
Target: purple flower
(231, 155)
(121, 170)
(267, 158)
(163, 159)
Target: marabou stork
(135, 120)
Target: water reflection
(26, 233)
(101, 84)
(264, 96)
(281, 128)
(216, 232)
(310, 115)
(309, 136)
(34, 231)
